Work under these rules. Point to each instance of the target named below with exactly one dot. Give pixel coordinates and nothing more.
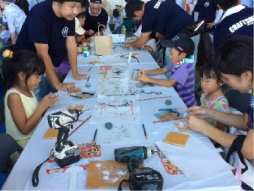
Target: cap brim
(96, 1)
(80, 31)
(167, 43)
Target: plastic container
(124, 30)
(85, 51)
(92, 45)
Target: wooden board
(78, 107)
(177, 139)
(144, 85)
(51, 134)
(74, 90)
(168, 116)
(94, 62)
(135, 79)
(106, 174)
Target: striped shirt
(184, 76)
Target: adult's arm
(142, 40)
(247, 149)
(235, 120)
(42, 51)
(72, 51)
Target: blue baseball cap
(181, 42)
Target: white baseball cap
(78, 28)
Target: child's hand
(90, 32)
(195, 123)
(49, 99)
(141, 72)
(144, 78)
(199, 111)
(148, 48)
(127, 45)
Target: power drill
(140, 178)
(65, 152)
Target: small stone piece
(168, 102)
(182, 124)
(108, 125)
(185, 114)
(88, 85)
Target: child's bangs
(37, 66)
(208, 71)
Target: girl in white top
(22, 72)
(14, 16)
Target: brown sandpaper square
(177, 139)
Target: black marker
(94, 137)
(145, 131)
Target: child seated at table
(182, 71)
(80, 32)
(213, 96)
(117, 21)
(22, 74)
(151, 44)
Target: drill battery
(145, 179)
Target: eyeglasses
(95, 9)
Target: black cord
(120, 185)
(35, 177)
(135, 58)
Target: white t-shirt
(15, 17)
(151, 42)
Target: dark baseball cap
(62, 1)
(181, 42)
(96, 1)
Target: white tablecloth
(37, 150)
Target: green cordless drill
(140, 178)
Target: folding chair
(8, 147)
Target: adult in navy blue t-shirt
(95, 15)
(206, 10)
(164, 17)
(237, 20)
(49, 30)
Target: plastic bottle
(123, 30)
(85, 51)
(92, 45)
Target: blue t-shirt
(164, 17)
(44, 27)
(240, 23)
(118, 20)
(207, 11)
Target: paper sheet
(117, 71)
(115, 86)
(195, 160)
(64, 98)
(122, 132)
(113, 108)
